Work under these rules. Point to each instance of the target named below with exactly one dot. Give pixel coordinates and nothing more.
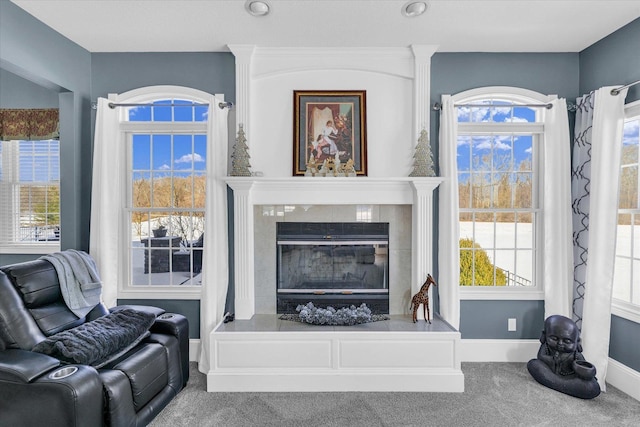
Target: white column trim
(244, 59)
(422, 86)
(422, 237)
(243, 251)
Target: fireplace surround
(259, 352)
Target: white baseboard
(624, 378)
(498, 350)
(194, 350)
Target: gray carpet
(496, 394)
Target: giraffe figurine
(422, 297)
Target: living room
(37, 59)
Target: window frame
(31, 247)
(126, 128)
(620, 308)
(536, 129)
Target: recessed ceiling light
(414, 8)
(257, 8)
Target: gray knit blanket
(80, 283)
(95, 343)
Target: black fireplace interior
(332, 264)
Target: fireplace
(332, 264)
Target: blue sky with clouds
(631, 132)
(166, 152)
(502, 148)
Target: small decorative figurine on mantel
(240, 165)
(347, 169)
(560, 364)
(312, 166)
(422, 297)
(422, 158)
(328, 167)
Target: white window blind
(30, 193)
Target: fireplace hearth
(332, 264)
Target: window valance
(29, 124)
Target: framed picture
(329, 123)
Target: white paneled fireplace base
(259, 352)
(266, 354)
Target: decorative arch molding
(311, 69)
(396, 62)
(509, 93)
(151, 93)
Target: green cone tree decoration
(240, 165)
(422, 158)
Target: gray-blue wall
(212, 72)
(38, 54)
(547, 73)
(16, 92)
(612, 61)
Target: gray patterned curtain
(594, 186)
(580, 191)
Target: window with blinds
(30, 194)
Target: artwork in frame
(329, 123)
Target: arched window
(165, 136)
(499, 150)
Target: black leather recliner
(37, 389)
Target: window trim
(621, 308)
(515, 94)
(143, 95)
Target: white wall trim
(194, 350)
(624, 378)
(496, 350)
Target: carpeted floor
(496, 394)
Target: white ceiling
(453, 25)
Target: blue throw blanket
(80, 283)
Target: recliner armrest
(178, 326)
(157, 311)
(24, 366)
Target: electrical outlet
(511, 326)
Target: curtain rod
(621, 88)
(222, 105)
(437, 106)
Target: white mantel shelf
(333, 190)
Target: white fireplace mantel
(251, 191)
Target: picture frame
(326, 122)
